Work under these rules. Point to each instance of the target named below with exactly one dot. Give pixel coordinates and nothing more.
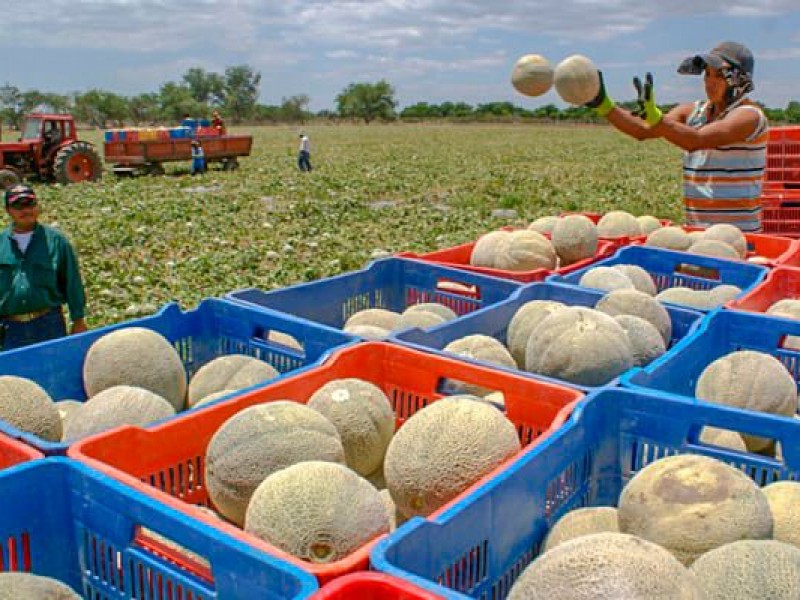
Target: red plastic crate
(372, 586)
(458, 257)
(780, 283)
(781, 210)
(167, 461)
(776, 249)
(783, 155)
(14, 452)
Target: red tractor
(49, 148)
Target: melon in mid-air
(317, 511)
(532, 75)
(576, 79)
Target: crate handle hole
(283, 340)
(169, 550)
(455, 287)
(790, 342)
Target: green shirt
(45, 276)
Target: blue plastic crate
(390, 283)
(678, 269)
(478, 547)
(215, 328)
(494, 320)
(721, 333)
(63, 520)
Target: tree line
(235, 94)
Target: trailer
(134, 157)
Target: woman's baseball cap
(730, 53)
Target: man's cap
(731, 53)
(19, 193)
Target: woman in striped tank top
(724, 137)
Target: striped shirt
(723, 185)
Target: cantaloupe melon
(784, 502)
(363, 416)
(574, 238)
(485, 249)
(618, 223)
(606, 566)
(443, 449)
(422, 319)
(687, 297)
(525, 319)
(317, 511)
(729, 234)
(715, 248)
(447, 313)
(723, 293)
(369, 332)
(212, 397)
(28, 586)
(749, 569)
(67, 408)
(137, 357)
(638, 304)
(483, 348)
(690, 504)
(671, 238)
(576, 79)
(648, 224)
(544, 224)
(605, 278)
(641, 279)
(28, 407)
(115, 406)
(579, 345)
(260, 440)
(373, 317)
(580, 522)
(532, 75)
(723, 438)
(645, 339)
(229, 372)
(750, 380)
(785, 307)
(391, 510)
(524, 250)
(284, 339)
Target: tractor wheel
(77, 162)
(9, 178)
(230, 164)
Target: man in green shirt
(38, 273)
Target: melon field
(379, 188)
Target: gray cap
(732, 53)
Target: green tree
(144, 108)
(11, 105)
(205, 87)
(368, 101)
(98, 107)
(295, 108)
(792, 112)
(241, 92)
(175, 101)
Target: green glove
(647, 105)
(601, 103)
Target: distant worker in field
(304, 156)
(38, 274)
(198, 158)
(724, 137)
(217, 122)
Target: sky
(429, 50)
